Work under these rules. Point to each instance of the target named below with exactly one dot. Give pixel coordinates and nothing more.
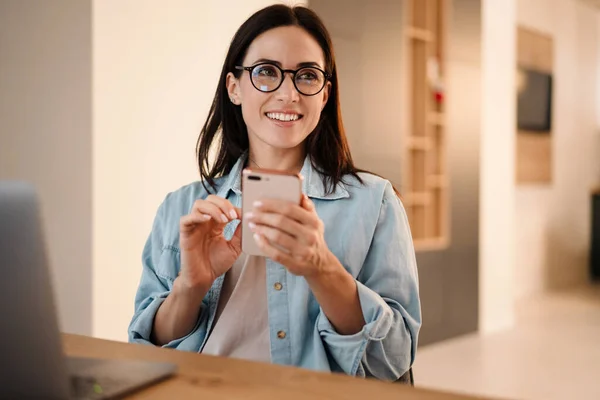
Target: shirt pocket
(169, 264)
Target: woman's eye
(308, 76)
(266, 71)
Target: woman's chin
(283, 140)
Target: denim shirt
(365, 227)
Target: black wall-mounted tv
(534, 101)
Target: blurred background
(484, 113)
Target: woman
(338, 290)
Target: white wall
(45, 135)
(367, 45)
(155, 73)
(497, 191)
(552, 232)
(347, 30)
(598, 83)
(596, 148)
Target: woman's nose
(287, 91)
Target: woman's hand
(292, 235)
(205, 253)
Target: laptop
(31, 358)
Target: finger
(283, 240)
(225, 205)
(205, 207)
(279, 221)
(274, 253)
(289, 209)
(189, 222)
(309, 206)
(307, 203)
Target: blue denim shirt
(365, 227)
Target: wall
(155, 73)
(346, 26)
(596, 147)
(366, 39)
(552, 232)
(497, 193)
(45, 135)
(368, 44)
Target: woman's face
(281, 119)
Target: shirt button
(281, 334)
(278, 286)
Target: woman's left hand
(292, 235)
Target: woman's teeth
(283, 117)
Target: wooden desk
(206, 377)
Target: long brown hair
(327, 144)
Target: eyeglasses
(267, 77)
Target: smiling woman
(338, 288)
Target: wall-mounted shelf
(419, 143)
(417, 199)
(437, 182)
(419, 34)
(437, 118)
(425, 178)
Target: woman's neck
(290, 160)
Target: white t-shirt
(241, 326)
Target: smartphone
(265, 184)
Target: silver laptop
(32, 363)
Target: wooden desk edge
(217, 374)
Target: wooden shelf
(422, 35)
(417, 199)
(425, 177)
(437, 182)
(437, 118)
(420, 143)
(434, 244)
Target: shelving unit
(425, 185)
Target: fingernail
(257, 237)
(205, 217)
(252, 225)
(233, 214)
(248, 215)
(224, 218)
(257, 204)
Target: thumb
(307, 204)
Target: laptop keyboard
(87, 387)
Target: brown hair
(326, 144)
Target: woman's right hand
(205, 253)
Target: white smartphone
(265, 184)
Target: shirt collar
(312, 183)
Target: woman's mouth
(283, 117)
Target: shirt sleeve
(388, 291)
(159, 269)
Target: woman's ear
(233, 89)
(326, 93)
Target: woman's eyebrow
(299, 65)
